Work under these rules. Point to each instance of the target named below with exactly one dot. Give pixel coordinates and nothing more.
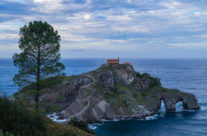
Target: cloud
(189, 45)
(17, 1)
(11, 47)
(55, 6)
(47, 1)
(77, 50)
(48, 6)
(6, 36)
(111, 25)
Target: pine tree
(39, 57)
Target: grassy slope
(25, 97)
(21, 121)
(55, 129)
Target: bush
(80, 124)
(19, 121)
(143, 75)
(5, 134)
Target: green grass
(113, 97)
(48, 107)
(119, 86)
(52, 82)
(130, 100)
(143, 75)
(115, 101)
(19, 121)
(135, 98)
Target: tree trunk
(38, 80)
(37, 94)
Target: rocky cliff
(111, 91)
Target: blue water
(188, 75)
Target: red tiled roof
(113, 61)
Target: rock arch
(188, 100)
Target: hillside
(19, 121)
(111, 91)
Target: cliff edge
(111, 91)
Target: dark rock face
(189, 101)
(69, 92)
(124, 75)
(145, 82)
(106, 79)
(115, 91)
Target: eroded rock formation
(112, 91)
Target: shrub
(5, 134)
(143, 75)
(16, 120)
(80, 124)
(19, 121)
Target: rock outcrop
(111, 91)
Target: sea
(189, 75)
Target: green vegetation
(146, 76)
(48, 108)
(131, 98)
(135, 98)
(39, 58)
(52, 82)
(80, 124)
(5, 133)
(143, 75)
(25, 97)
(43, 107)
(55, 129)
(17, 121)
(128, 100)
(49, 83)
(116, 101)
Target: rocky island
(111, 91)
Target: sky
(112, 28)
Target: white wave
(54, 117)
(93, 126)
(104, 120)
(152, 117)
(203, 108)
(116, 119)
(161, 113)
(179, 108)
